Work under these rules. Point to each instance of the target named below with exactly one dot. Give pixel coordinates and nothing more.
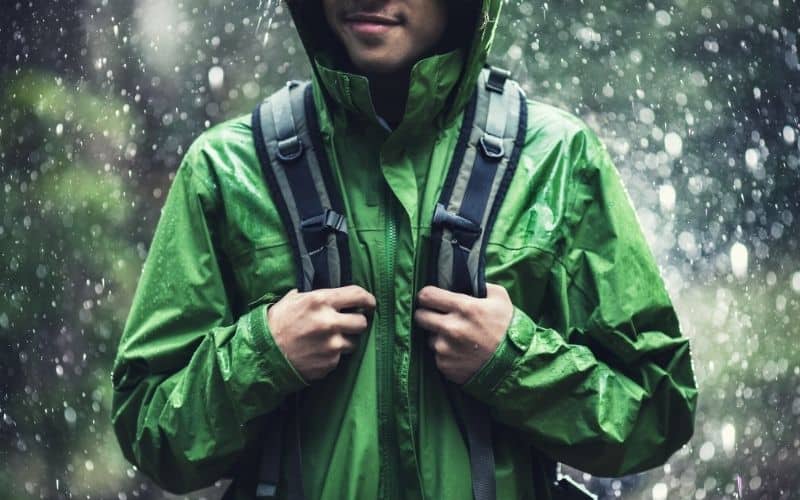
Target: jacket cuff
(256, 374)
(284, 374)
(516, 340)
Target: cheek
(429, 28)
(329, 11)
(328, 7)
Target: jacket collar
(431, 87)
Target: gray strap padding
(497, 118)
(282, 114)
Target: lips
(372, 18)
(371, 24)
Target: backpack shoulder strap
(297, 171)
(483, 165)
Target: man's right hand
(313, 330)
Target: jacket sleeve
(609, 388)
(190, 380)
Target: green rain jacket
(592, 372)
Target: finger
(438, 344)
(342, 343)
(439, 299)
(432, 321)
(350, 323)
(349, 297)
(493, 290)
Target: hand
(313, 330)
(464, 331)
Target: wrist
(282, 367)
(483, 383)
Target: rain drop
(666, 197)
(70, 415)
(216, 78)
(707, 451)
(789, 135)
(751, 157)
(673, 144)
(728, 437)
(660, 491)
(739, 260)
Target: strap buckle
(290, 149)
(328, 220)
(496, 81)
(465, 230)
(492, 147)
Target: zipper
(385, 354)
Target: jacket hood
(441, 85)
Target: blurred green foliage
(697, 102)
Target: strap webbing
(483, 165)
(269, 469)
(295, 490)
(481, 454)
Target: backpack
(297, 171)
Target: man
(575, 350)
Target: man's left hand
(464, 331)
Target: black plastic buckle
(466, 231)
(290, 149)
(497, 79)
(492, 147)
(326, 221)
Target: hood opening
(462, 24)
(317, 37)
(470, 30)
(320, 41)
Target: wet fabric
(592, 372)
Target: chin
(380, 64)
